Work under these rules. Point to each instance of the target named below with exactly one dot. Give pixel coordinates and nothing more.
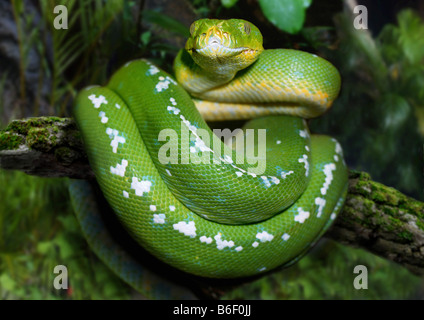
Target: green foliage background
(37, 227)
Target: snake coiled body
(180, 192)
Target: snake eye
(192, 28)
(247, 28)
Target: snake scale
(214, 209)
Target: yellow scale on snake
(179, 191)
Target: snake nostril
(213, 41)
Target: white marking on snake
(255, 244)
(285, 174)
(228, 159)
(103, 117)
(117, 106)
(205, 239)
(152, 207)
(320, 202)
(200, 145)
(264, 236)
(192, 128)
(303, 133)
(126, 194)
(174, 103)
(159, 218)
(336, 208)
(168, 172)
(285, 237)
(116, 139)
(262, 269)
(172, 208)
(185, 121)
(265, 180)
(339, 149)
(239, 174)
(239, 248)
(302, 216)
(187, 228)
(221, 244)
(120, 168)
(153, 69)
(304, 159)
(173, 109)
(328, 171)
(275, 180)
(278, 141)
(97, 101)
(140, 187)
(164, 83)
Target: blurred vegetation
(38, 231)
(101, 36)
(379, 115)
(327, 273)
(379, 119)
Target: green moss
(24, 126)
(420, 224)
(392, 224)
(41, 139)
(369, 206)
(10, 141)
(414, 207)
(406, 235)
(41, 133)
(360, 175)
(362, 188)
(351, 213)
(384, 194)
(389, 211)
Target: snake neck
(196, 79)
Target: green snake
(214, 209)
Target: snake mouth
(216, 48)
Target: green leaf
(396, 112)
(6, 282)
(65, 245)
(228, 3)
(287, 15)
(44, 247)
(145, 37)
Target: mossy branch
(45, 146)
(375, 217)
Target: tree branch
(375, 217)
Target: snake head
(224, 44)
